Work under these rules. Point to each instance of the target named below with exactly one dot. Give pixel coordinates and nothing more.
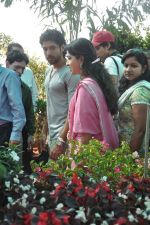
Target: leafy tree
(4, 41)
(70, 16)
(38, 67)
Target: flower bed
(50, 199)
(112, 191)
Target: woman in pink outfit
(94, 101)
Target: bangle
(60, 141)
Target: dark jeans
(5, 132)
(27, 154)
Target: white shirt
(111, 66)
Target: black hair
(142, 59)
(111, 44)
(17, 56)
(13, 45)
(83, 47)
(53, 35)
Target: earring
(81, 66)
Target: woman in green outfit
(135, 97)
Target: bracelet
(60, 141)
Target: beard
(53, 59)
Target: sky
(25, 27)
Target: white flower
(104, 178)
(92, 180)
(148, 217)
(16, 180)
(104, 223)
(92, 224)
(10, 200)
(33, 191)
(21, 172)
(144, 215)
(56, 184)
(24, 196)
(8, 206)
(7, 184)
(14, 156)
(135, 155)
(131, 218)
(139, 211)
(81, 216)
(42, 200)
(33, 211)
(81, 208)
(147, 204)
(110, 215)
(139, 199)
(97, 215)
(24, 202)
(122, 196)
(147, 198)
(59, 206)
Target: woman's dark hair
(139, 55)
(83, 47)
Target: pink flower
(131, 187)
(73, 165)
(117, 169)
(105, 147)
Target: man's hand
(14, 142)
(30, 141)
(57, 151)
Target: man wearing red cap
(104, 43)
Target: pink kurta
(88, 113)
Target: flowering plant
(76, 201)
(9, 160)
(77, 189)
(96, 160)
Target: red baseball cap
(102, 36)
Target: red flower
(54, 219)
(90, 192)
(66, 219)
(60, 186)
(76, 180)
(27, 219)
(121, 221)
(110, 197)
(43, 216)
(131, 187)
(105, 186)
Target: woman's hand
(139, 113)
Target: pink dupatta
(108, 129)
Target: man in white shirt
(27, 77)
(104, 43)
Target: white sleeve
(111, 66)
